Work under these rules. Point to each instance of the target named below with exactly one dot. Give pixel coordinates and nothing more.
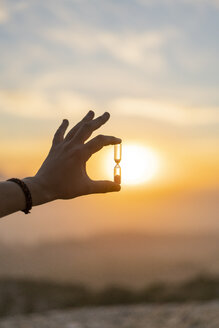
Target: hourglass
(117, 159)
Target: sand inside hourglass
(117, 159)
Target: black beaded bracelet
(27, 194)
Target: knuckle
(58, 131)
(86, 126)
(66, 145)
(100, 138)
(83, 119)
(78, 153)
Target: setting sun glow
(139, 164)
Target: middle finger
(89, 127)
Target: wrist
(39, 190)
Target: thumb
(59, 135)
(104, 186)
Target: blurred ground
(131, 259)
(190, 315)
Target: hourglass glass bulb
(117, 158)
(117, 153)
(117, 174)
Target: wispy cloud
(120, 56)
(4, 14)
(139, 48)
(164, 111)
(9, 8)
(29, 103)
(41, 104)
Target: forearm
(12, 198)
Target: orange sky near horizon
(156, 72)
(182, 164)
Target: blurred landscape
(108, 269)
(128, 259)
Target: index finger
(97, 143)
(89, 127)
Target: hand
(63, 173)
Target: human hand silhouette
(63, 173)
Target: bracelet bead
(26, 192)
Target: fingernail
(90, 112)
(65, 121)
(119, 140)
(106, 114)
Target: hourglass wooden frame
(117, 159)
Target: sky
(154, 66)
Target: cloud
(59, 104)
(29, 103)
(164, 111)
(137, 56)
(4, 14)
(8, 9)
(130, 47)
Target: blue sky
(95, 52)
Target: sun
(139, 164)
